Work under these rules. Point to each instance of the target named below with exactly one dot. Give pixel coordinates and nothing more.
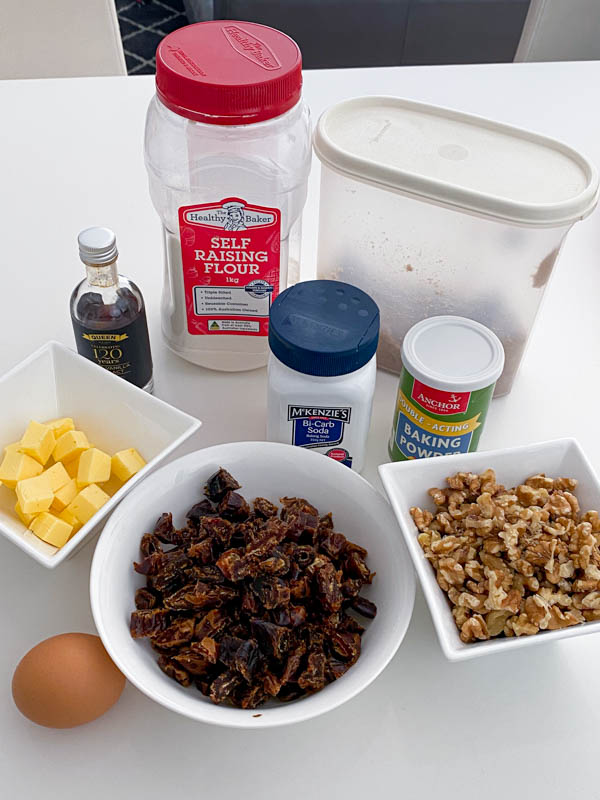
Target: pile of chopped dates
(249, 605)
(512, 562)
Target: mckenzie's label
(230, 256)
(321, 427)
(429, 422)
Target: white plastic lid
(457, 159)
(453, 353)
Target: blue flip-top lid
(324, 328)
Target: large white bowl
(407, 482)
(272, 471)
(57, 382)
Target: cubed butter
(13, 447)
(51, 529)
(72, 520)
(112, 485)
(38, 442)
(61, 425)
(18, 466)
(34, 494)
(26, 519)
(70, 445)
(72, 466)
(65, 495)
(126, 463)
(58, 476)
(88, 502)
(94, 467)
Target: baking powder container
(450, 368)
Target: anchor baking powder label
(431, 422)
(230, 256)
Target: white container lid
(460, 160)
(453, 354)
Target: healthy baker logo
(251, 47)
(439, 402)
(315, 426)
(231, 214)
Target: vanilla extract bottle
(108, 312)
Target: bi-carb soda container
(450, 366)
(228, 155)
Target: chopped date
(247, 658)
(148, 623)
(192, 662)
(273, 640)
(151, 565)
(173, 670)
(364, 607)
(313, 678)
(163, 530)
(200, 510)
(264, 508)
(219, 484)
(150, 544)
(179, 632)
(248, 603)
(202, 552)
(224, 686)
(329, 590)
(145, 599)
(234, 507)
(212, 624)
(271, 591)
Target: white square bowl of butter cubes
(74, 439)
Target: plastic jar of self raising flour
(450, 366)
(323, 336)
(228, 156)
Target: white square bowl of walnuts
(506, 544)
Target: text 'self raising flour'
(228, 157)
(450, 366)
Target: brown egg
(66, 680)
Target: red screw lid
(226, 72)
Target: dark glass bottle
(108, 312)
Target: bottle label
(321, 427)
(430, 422)
(230, 256)
(124, 352)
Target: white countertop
(70, 157)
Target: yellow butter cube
(126, 463)
(70, 445)
(67, 516)
(60, 426)
(94, 467)
(112, 485)
(72, 466)
(65, 495)
(38, 442)
(13, 447)
(51, 529)
(88, 502)
(26, 519)
(58, 476)
(34, 494)
(18, 466)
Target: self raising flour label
(450, 369)
(230, 255)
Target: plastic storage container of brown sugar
(432, 212)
